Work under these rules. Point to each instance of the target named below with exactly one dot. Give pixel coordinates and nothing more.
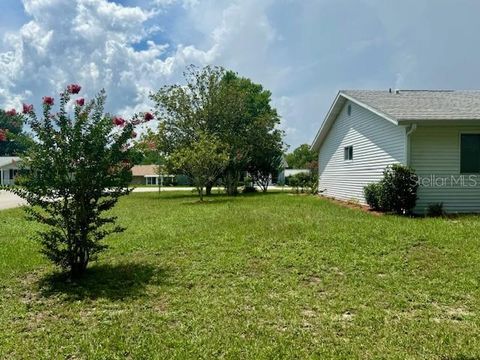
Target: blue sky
(304, 51)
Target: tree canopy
(302, 158)
(222, 104)
(16, 140)
(202, 161)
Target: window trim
(461, 133)
(151, 180)
(348, 148)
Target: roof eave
(318, 140)
(331, 115)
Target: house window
(13, 173)
(470, 153)
(349, 109)
(348, 153)
(151, 180)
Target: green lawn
(264, 276)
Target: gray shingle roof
(422, 104)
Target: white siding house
(435, 132)
(9, 167)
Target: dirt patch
(352, 205)
(451, 313)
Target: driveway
(9, 200)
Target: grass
(254, 277)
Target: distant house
(148, 175)
(435, 132)
(286, 171)
(9, 167)
(145, 175)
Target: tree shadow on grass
(109, 281)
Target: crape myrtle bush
(396, 192)
(75, 171)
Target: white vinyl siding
(376, 144)
(435, 155)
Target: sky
(303, 51)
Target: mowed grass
(253, 277)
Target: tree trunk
(200, 193)
(208, 189)
(78, 267)
(231, 182)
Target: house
(145, 175)
(148, 175)
(9, 167)
(286, 171)
(437, 133)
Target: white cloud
(303, 51)
(91, 42)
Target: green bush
(399, 189)
(435, 210)
(396, 192)
(372, 193)
(303, 182)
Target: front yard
(261, 276)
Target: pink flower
(118, 121)
(11, 112)
(3, 135)
(80, 102)
(148, 116)
(74, 88)
(47, 100)
(27, 108)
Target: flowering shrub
(76, 170)
(13, 141)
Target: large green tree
(253, 136)
(302, 158)
(146, 150)
(222, 104)
(202, 161)
(16, 140)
